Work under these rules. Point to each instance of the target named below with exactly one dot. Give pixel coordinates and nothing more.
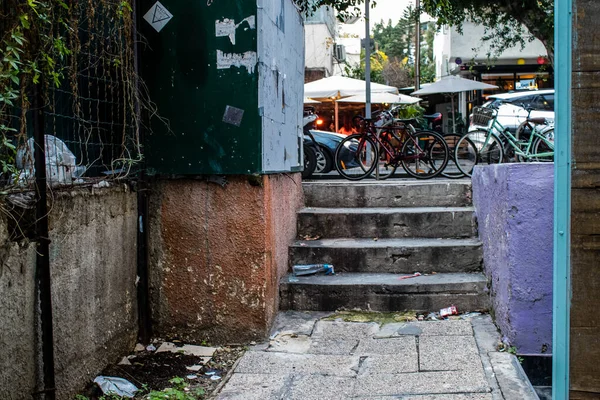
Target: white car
(512, 107)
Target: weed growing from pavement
(371, 316)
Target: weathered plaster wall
(280, 83)
(93, 263)
(514, 206)
(585, 203)
(217, 254)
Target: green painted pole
(563, 35)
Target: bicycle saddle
(538, 120)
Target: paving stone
(445, 353)
(344, 330)
(372, 385)
(298, 322)
(332, 346)
(287, 363)
(290, 343)
(511, 377)
(445, 328)
(254, 387)
(446, 396)
(400, 345)
(319, 387)
(410, 329)
(390, 364)
(389, 330)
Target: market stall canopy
(341, 86)
(311, 101)
(453, 84)
(381, 98)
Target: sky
(384, 10)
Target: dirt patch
(372, 316)
(151, 371)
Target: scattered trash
(211, 372)
(470, 315)
(61, 165)
(139, 347)
(194, 368)
(151, 347)
(446, 312)
(191, 377)
(101, 184)
(410, 276)
(215, 378)
(274, 335)
(293, 279)
(125, 361)
(420, 317)
(432, 317)
(303, 244)
(311, 269)
(187, 349)
(375, 239)
(113, 385)
(310, 238)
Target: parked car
(328, 142)
(512, 107)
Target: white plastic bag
(113, 385)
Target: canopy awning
(381, 98)
(341, 86)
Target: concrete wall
(514, 206)
(319, 47)
(450, 44)
(280, 86)
(93, 263)
(217, 255)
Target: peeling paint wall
(217, 255)
(93, 264)
(280, 83)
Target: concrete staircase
(375, 233)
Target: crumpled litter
(113, 385)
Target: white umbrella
(453, 84)
(379, 98)
(311, 101)
(335, 87)
(341, 86)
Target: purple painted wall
(514, 206)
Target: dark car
(327, 142)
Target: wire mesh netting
(90, 101)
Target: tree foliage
(508, 23)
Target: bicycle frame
(516, 145)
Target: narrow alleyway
(312, 358)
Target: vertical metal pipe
(418, 45)
(563, 40)
(143, 287)
(44, 283)
(368, 59)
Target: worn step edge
(385, 210)
(361, 243)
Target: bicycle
(494, 144)
(385, 143)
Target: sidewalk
(315, 359)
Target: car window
(548, 102)
(525, 100)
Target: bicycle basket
(483, 116)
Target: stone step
(384, 292)
(391, 255)
(395, 193)
(429, 222)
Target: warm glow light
(319, 122)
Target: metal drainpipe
(143, 287)
(563, 40)
(43, 280)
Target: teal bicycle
(493, 143)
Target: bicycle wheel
(452, 171)
(385, 168)
(356, 157)
(540, 146)
(424, 154)
(477, 147)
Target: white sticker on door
(158, 16)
